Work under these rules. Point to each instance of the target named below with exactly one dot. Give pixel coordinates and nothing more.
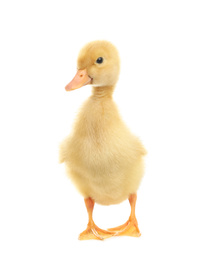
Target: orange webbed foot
(94, 232)
(130, 228)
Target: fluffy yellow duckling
(102, 157)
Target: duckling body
(102, 157)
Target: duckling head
(98, 64)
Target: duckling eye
(99, 60)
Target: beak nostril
(81, 76)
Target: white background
(161, 96)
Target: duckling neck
(101, 92)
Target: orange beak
(81, 79)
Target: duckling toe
(94, 232)
(130, 228)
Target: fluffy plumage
(102, 157)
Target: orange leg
(130, 228)
(92, 231)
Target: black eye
(99, 60)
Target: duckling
(103, 158)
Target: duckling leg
(130, 228)
(92, 231)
